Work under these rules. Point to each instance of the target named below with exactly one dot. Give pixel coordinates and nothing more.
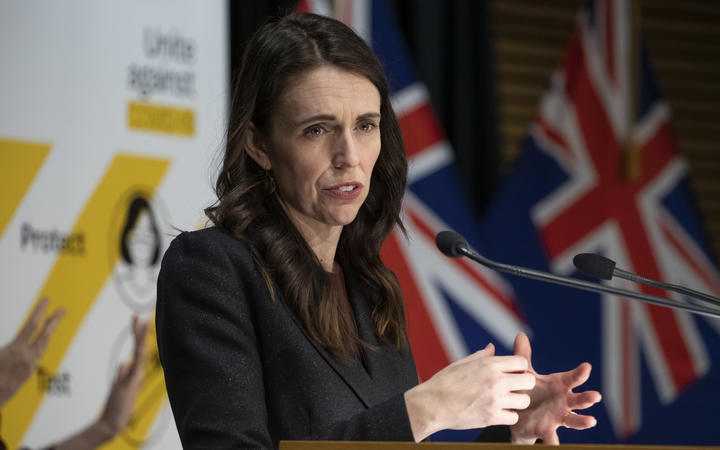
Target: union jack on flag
(569, 193)
(600, 172)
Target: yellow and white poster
(111, 115)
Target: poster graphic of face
(141, 246)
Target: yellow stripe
(161, 119)
(75, 281)
(19, 163)
(149, 401)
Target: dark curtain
(451, 45)
(450, 42)
(245, 17)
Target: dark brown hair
(138, 205)
(249, 208)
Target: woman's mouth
(345, 191)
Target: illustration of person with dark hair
(140, 250)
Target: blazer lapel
(384, 365)
(352, 373)
(371, 385)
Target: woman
(281, 322)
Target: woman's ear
(256, 147)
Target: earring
(270, 180)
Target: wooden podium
(356, 445)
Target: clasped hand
(483, 389)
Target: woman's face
(141, 241)
(323, 144)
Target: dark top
(242, 373)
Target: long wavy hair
(249, 208)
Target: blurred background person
(20, 357)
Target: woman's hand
(552, 402)
(19, 358)
(119, 404)
(476, 391)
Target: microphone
(450, 242)
(454, 245)
(594, 266)
(598, 266)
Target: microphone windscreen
(595, 266)
(449, 242)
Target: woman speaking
(281, 321)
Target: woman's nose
(346, 151)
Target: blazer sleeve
(495, 433)
(387, 421)
(207, 347)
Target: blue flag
(600, 172)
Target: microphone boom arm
(584, 285)
(667, 286)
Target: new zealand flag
(598, 173)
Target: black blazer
(242, 373)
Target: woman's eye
(368, 126)
(314, 131)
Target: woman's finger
(579, 421)
(577, 376)
(122, 371)
(486, 352)
(521, 347)
(41, 341)
(511, 363)
(517, 382)
(583, 400)
(505, 417)
(33, 321)
(551, 438)
(515, 401)
(140, 330)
